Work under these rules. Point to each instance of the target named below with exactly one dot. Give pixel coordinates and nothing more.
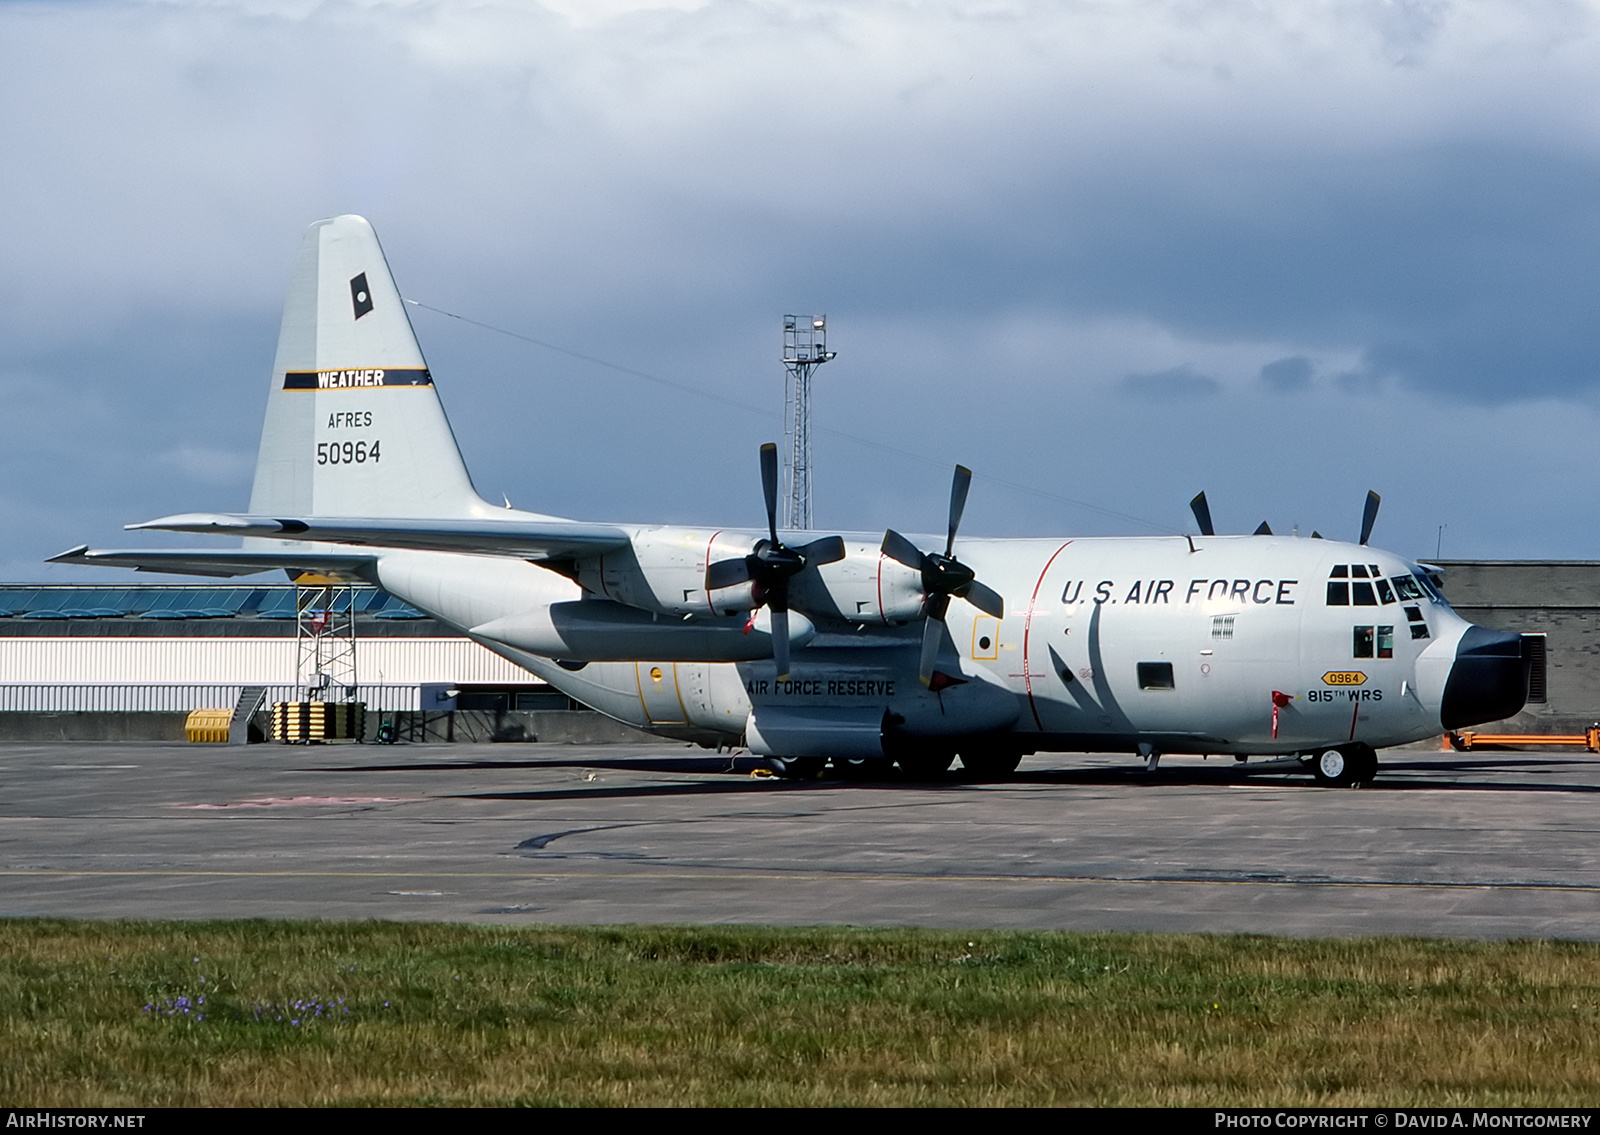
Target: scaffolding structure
(805, 347)
(325, 639)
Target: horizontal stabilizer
(545, 539)
(221, 564)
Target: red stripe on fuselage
(705, 571)
(1027, 628)
(881, 616)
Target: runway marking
(724, 876)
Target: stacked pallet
(312, 722)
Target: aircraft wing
(220, 563)
(526, 539)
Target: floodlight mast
(805, 347)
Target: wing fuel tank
(603, 631)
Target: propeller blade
(959, 485)
(1369, 516)
(932, 631)
(780, 642)
(901, 550)
(769, 486)
(1264, 530)
(828, 550)
(943, 575)
(1202, 514)
(986, 599)
(727, 573)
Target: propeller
(943, 576)
(1369, 516)
(1202, 517)
(773, 564)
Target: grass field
(110, 1014)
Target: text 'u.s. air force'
(1144, 592)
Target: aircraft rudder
(354, 426)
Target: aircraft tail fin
(354, 426)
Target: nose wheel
(1345, 766)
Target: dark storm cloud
(1034, 225)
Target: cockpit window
(1348, 586)
(1364, 639)
(1408, 588)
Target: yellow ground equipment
(1462, 742)
(208, 726)
(308, 722)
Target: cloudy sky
(1107, 254)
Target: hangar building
(1558, 603)
(84, 662)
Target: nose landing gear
(1345, 766)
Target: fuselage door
(658, 690)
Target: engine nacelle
(664, 570)
(864, 587)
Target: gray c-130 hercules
(851, 647)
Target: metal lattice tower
(325, 639)
(805, 347)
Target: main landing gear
(992, 761)
(797, 768)
(979, 760)
(1345, 766)
(842, 768)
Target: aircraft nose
(1488, 680)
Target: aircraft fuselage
(1229, 644)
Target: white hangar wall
(242, 661)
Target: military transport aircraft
(850, 647)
